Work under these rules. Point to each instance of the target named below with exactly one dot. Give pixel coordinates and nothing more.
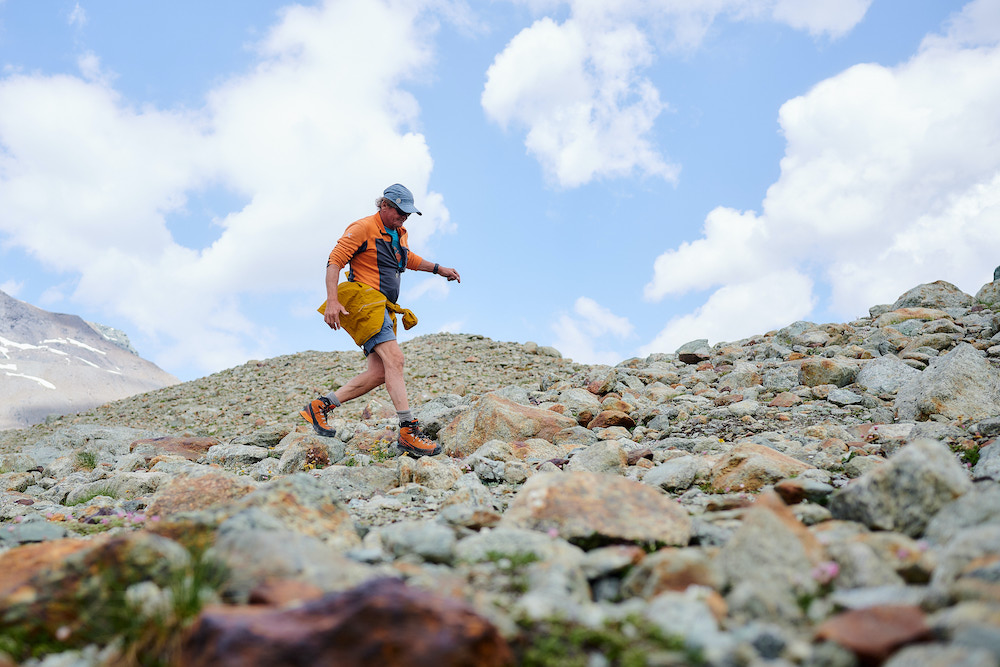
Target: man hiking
(365, 306)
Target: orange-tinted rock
(873, 633)
(593, 509)
(785, 399)
(190, 448)
(20, 564)
(496, 418)
(284, 592)
(671, 570)
(727, 399)
(383, 622)
(186, 494)
(636, 455)
(749, 466)
(608, 418)
(791, 491)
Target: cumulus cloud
(91, 185)
(739, 310)
(890, 178)
(12, 287)
(582, 334)
(577, 88)
(77, 16)
(586, 112)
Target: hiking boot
(315, 414)
(414, 442)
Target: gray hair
(379, 200)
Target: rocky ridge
(825, 494)
(54, 364)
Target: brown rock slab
(785, 399)
(749, 466)
(837, 371)
(671, 569)
(190, 448)
(496, 418)
(383, 622)
(608, 418)
(186, 494)
(874, 633)
(20, 564)
(592, 509)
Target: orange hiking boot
(414, 442)
(315, 414)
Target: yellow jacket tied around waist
(366, 308)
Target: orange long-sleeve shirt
(367, 247)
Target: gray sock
(404, 416)
(333, 399)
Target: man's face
(392, 217)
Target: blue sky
(611, 178)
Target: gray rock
(843, 397)
(961, 384)
(688, 615)
(885, 375)
(31, 530)
(359, 481)
(967, 546)
(439, 412)
(428, 540)
(678, 474)
(105, 442)
(605, 456)
(939, 294)
(284, 555)
(502, 541)
(804, 334)
(905, 492)
(989, 462)
(980, 506)
(989, 293)
(233, 457)
(942, 655)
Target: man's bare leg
(364, 382)
(391, 357)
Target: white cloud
(739, 310)
(77, 16)
(821, 17)
(12, 287)
(576, 86)
(433, 286)
(890, 179)
(88, 181)
(583, 335)
(587, 114)
(454, 326)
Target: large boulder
(961, 383)
(989, 293)
(591, 509)
(496, 418)
(885, 375)
(938, 294)
(381, 622)
(904, 493)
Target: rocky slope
(826, 494)
(54, 364)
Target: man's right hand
(334, 309)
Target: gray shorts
(385, 334)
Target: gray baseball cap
(401, 197)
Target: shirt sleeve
(413, 260)
(348, 244)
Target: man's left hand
(450, 274)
